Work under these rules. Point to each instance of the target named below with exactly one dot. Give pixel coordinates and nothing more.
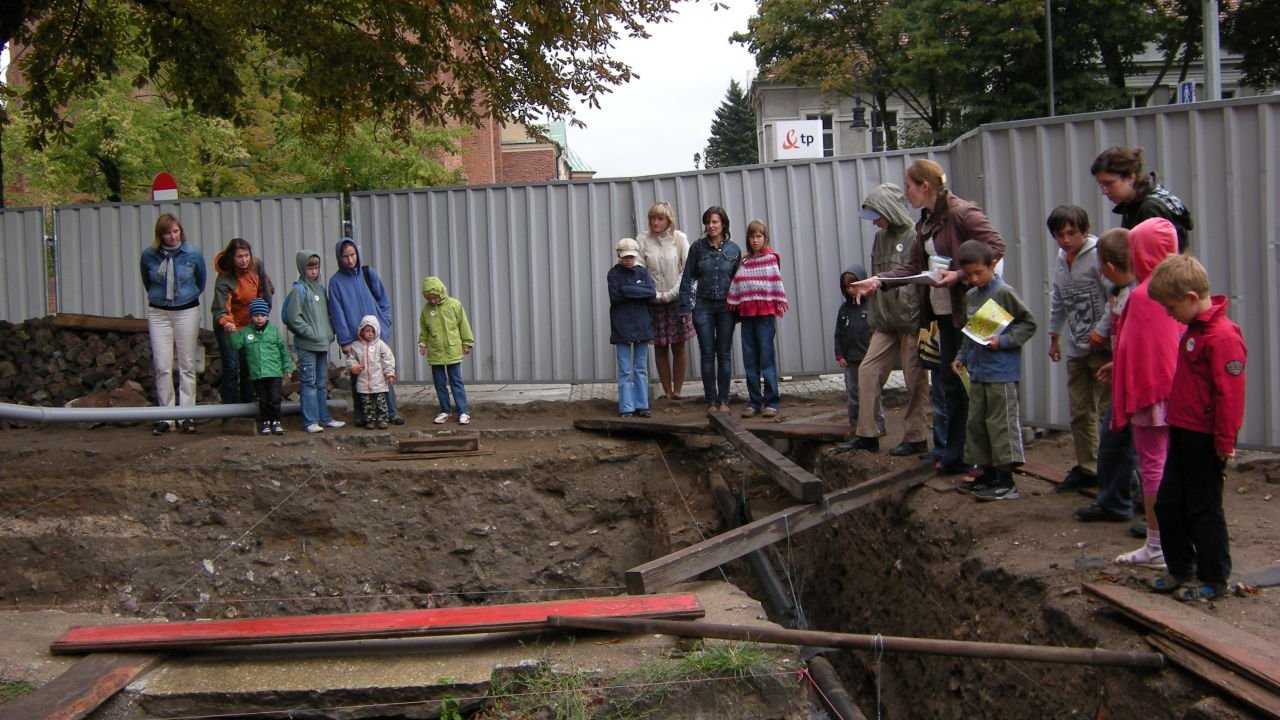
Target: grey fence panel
(22, 265)
(98, 246)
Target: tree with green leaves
(959, 63)
(733, 132)
(1252, 28)
(400, 62)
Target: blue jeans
(235, 385)
(313, 374)
(954, 397)
(446, 378)
(714, 325)
(1116, 465)
(939, 412)
(760, 360)
(633, 376)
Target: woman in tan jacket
(662, 252)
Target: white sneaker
(464, 419)
(335, 424)
(442, 418)
(314, 428)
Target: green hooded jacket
(265, 348)
(893, 310)
(443, 328)
(306, 309)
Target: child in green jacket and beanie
(269, 362)
(444, 338)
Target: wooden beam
(363, 626)
(439, 443)
(695, 559)
(1041, 470)
(74, 321)
(813, 432)
(422, 456)
(1235, 685)
(870, 643)
(798, 482)
(1220, 641)
(81, 689)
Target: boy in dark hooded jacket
(853, 334)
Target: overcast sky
(653, 125)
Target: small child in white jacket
(373, 370)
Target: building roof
(558, 132)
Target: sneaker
(277, 428)
(859, 443)
(626, 415)
(976, 479)
(397, 420)
(644, 413)
(335, 424)
(769, 412)
(187, 426)
(464, 419)
(1077, 479)
(750, 412)
(1000, 491)
(314, 428)
(441, 419)
(160, 428)
(1145, 556)
(382, 424)
(264, 428)
(724, 407)
(905, 448)
(359, 422)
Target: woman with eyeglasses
(1137, 196)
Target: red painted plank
(360, 626)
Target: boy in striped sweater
(757, 296)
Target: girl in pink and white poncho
(756, 294)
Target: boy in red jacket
(1206, 409)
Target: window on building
(884, 131)
(828, 132)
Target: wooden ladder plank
(814, 432)
(363, 626)
(81, 689)
(695, 559)
(439, 444)
(798, 482)
(1243, 652)
(1234, 684)
(1042, 470)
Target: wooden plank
(81, 689)
(1239, 687)
(798, 482)
(439, 443)
(1042, 470)
(815, 432)
(99, 322)
(363, 626)
(422, 456)
(695, 559)
(1243, 652)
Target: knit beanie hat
(258, 306)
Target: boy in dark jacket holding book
(631, 289)
(852, 337)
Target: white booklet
(989, 321)
(925, 278)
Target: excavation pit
(114, 525)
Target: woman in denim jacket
(708, 269)
(173, 275)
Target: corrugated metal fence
(22, 264)
(98, 246)
(528, 262)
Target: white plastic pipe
(33, 414)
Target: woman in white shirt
(662, 251)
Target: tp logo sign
(797, 139)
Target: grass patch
(12, 689)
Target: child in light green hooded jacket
(444, 338)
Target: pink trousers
(1151, 444)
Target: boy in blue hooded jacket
(355, 291)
